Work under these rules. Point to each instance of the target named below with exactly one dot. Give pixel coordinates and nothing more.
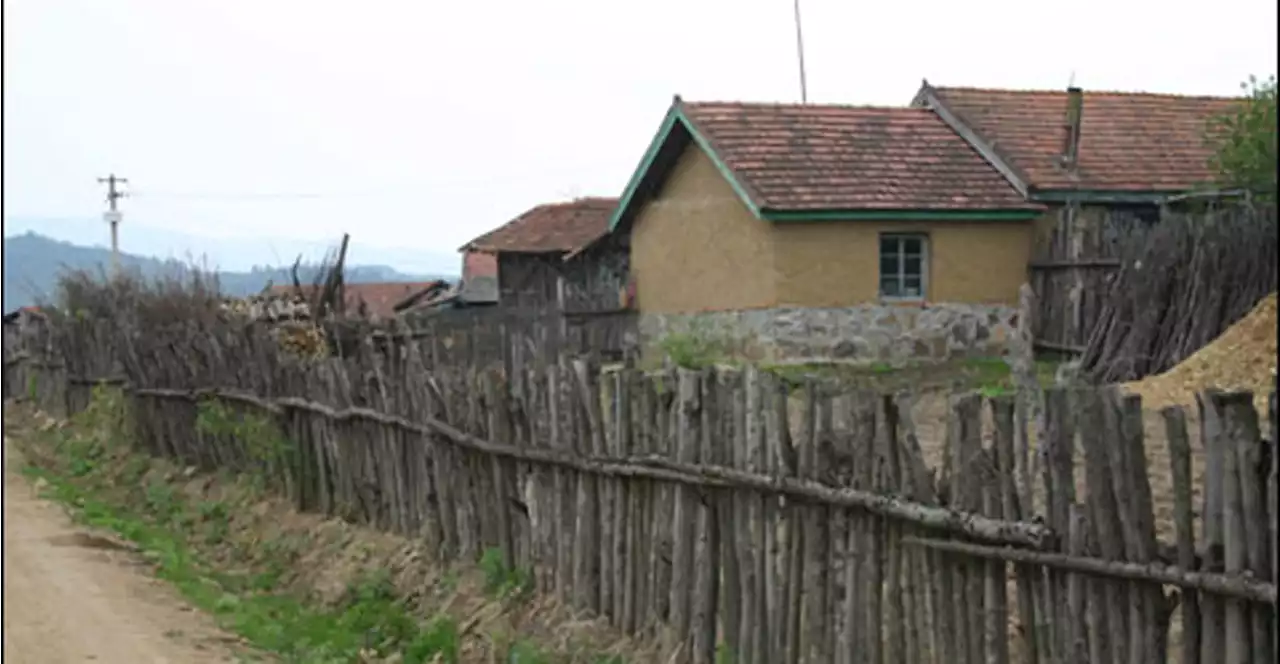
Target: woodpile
(302, 340)
(268, 307)
(1181, 283)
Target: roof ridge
(1087, 92)
(553, 226)
(783, 104)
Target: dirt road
(74, 596)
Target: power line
(408, 189)
(231, 196)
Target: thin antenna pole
(804, 88)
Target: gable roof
(806, 161)
(1129, 142)
(550, 228)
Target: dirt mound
(1241, 358)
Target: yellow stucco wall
(696, 247)
(836, 263)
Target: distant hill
(33, 263)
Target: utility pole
(112, 216)
(804, 88)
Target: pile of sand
(1242, 358)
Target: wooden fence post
(1175, 422)
(707, 572)
(586, 553)
(1212, 617)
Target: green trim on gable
(724, 170)
(664, 131)
(783, 216)
(675, 115)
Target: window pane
(911, 245)
(888, 266)
(888, 245)
(913, 267)
(890, 287)
(912, 288)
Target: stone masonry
(871, 332)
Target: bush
(697, 347)
(1247, 156)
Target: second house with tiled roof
(806, 230)
(1111, 148)
(1101, 161)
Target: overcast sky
(418, 125)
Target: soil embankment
(75, 596)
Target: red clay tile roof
(1128, 141)
(477, 264)
(379, 298)
(550, 228)
(811, 157)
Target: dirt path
(74, 596)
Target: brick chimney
(1071, 144)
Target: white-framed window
(904, 260)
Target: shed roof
(549, 228)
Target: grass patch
(169, 530)
(502, 580)
(295, 588)
(988, 375)
(370, 620)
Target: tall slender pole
(804, 88)
(113, 218)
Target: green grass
(987, 375)
(503, 581)
(247, 604)
(243, 579)
(170, 530)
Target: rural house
(807, 230)
(533, 274)
(1100, 161)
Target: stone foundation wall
(872, 332)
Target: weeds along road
(73, 596)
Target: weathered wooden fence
(36, 379)
(1095, 256)
(509, 338)
(732, 512)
